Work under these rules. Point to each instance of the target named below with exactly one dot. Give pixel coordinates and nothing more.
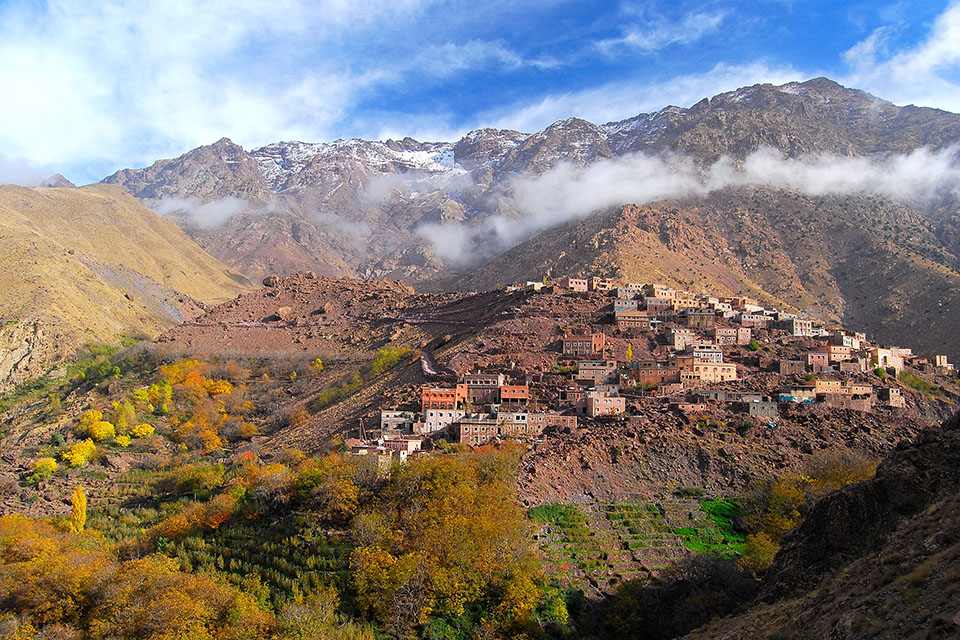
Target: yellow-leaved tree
(629, 352)
(78, 515)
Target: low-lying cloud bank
(203, 214)
(567, 192)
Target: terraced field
(597, 546)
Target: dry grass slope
(91, 264)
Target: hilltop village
(651, 345)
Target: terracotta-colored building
(585, 345)
(514, 394)
(442, 398)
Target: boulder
(271, 281)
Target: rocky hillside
(91, 264)
(858, 260)
(879, 559)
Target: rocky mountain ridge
(442, 214)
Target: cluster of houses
(695, 329)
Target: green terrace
(602, 544)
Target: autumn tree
(629, 355)
(447, 541)
(776, 507)
(78, 513)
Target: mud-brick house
(600, 284)
(891, 397)
(827, 386)
(797, 393)
(705, 352)
(658, 305)
(756, 320)
(624, 304)
(584, 345)
(846, 401)
(601, 403)
(791, 367)
(731, 335)
(761, 409)
(817, 361)
(540, 421)
(480, 428)
(597, 371)
(482, 388)
(835, 352)
(887, 358)
(854, 365)
(937, 363)
(699, 319)
(715, 371)
(679, 337)
(632, 320)
(843, 339)
(796, 327)
(651, 372)
(573, 284)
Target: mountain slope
(858, 260)
(91, 264)
(879, 559)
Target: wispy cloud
(620, 100)
(656, 33)
(109, 81)
(926, 74)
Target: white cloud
(655, 35)
(617, 101)
(20, 172)
(924, 75)
(568, 192)
(203, 214)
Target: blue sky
(92, 87)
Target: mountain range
(500, 205)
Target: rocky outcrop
(856, 520)
(878, 559)
(25, 351)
